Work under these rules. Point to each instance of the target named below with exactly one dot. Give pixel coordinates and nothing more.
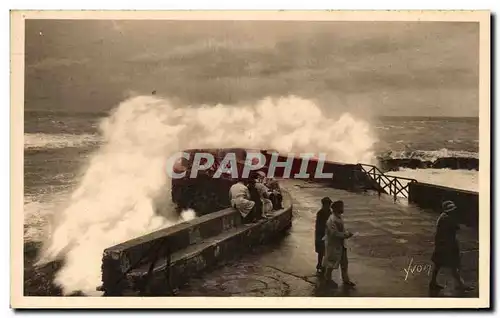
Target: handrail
(387, 183)
(387, 175)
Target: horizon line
(107, 111)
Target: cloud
(198, 49)
(210, 62)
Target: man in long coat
(446, 248)
(319, 230)
(335, 249)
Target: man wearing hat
(319, 230)
(446, 249)
(335, 247)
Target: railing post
(391, 182)
(395, 192)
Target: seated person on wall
(264, 192)
(274, 191)
(241, 199)
(256, 196)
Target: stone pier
(388, 257)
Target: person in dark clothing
(273, 189)
(446, 248)
(277, 200)
(319, 230)
(276, 197)
(256, 212)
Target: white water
(41, 140)
(459, 179)
(125, 186)
(36, 215)
(431, 155)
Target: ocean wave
(51, 141)
(388, 127)
(428, 155)
(125, 192)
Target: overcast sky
(385, 68)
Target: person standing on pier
(446, 248)
(319, 230)
(335, 247)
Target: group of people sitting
(256, 196)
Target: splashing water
(125, 191)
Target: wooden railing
(388, 184)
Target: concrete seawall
(156, 263)
(430, 196)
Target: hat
(449, 206)
(261, 174)
(253, 175)
(337, 204)
(326, 200)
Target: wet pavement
(388, 257)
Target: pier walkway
(389, 256)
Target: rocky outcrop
(456, 163)
(395, 164)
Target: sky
(381, 68)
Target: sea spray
(125, 191)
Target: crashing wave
(422, 159)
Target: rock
(395, 164)
(456, 163)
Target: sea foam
(125, 191)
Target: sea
(85, 172)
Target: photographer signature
(417, 269)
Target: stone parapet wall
(430, 196)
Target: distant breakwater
(455, 163)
